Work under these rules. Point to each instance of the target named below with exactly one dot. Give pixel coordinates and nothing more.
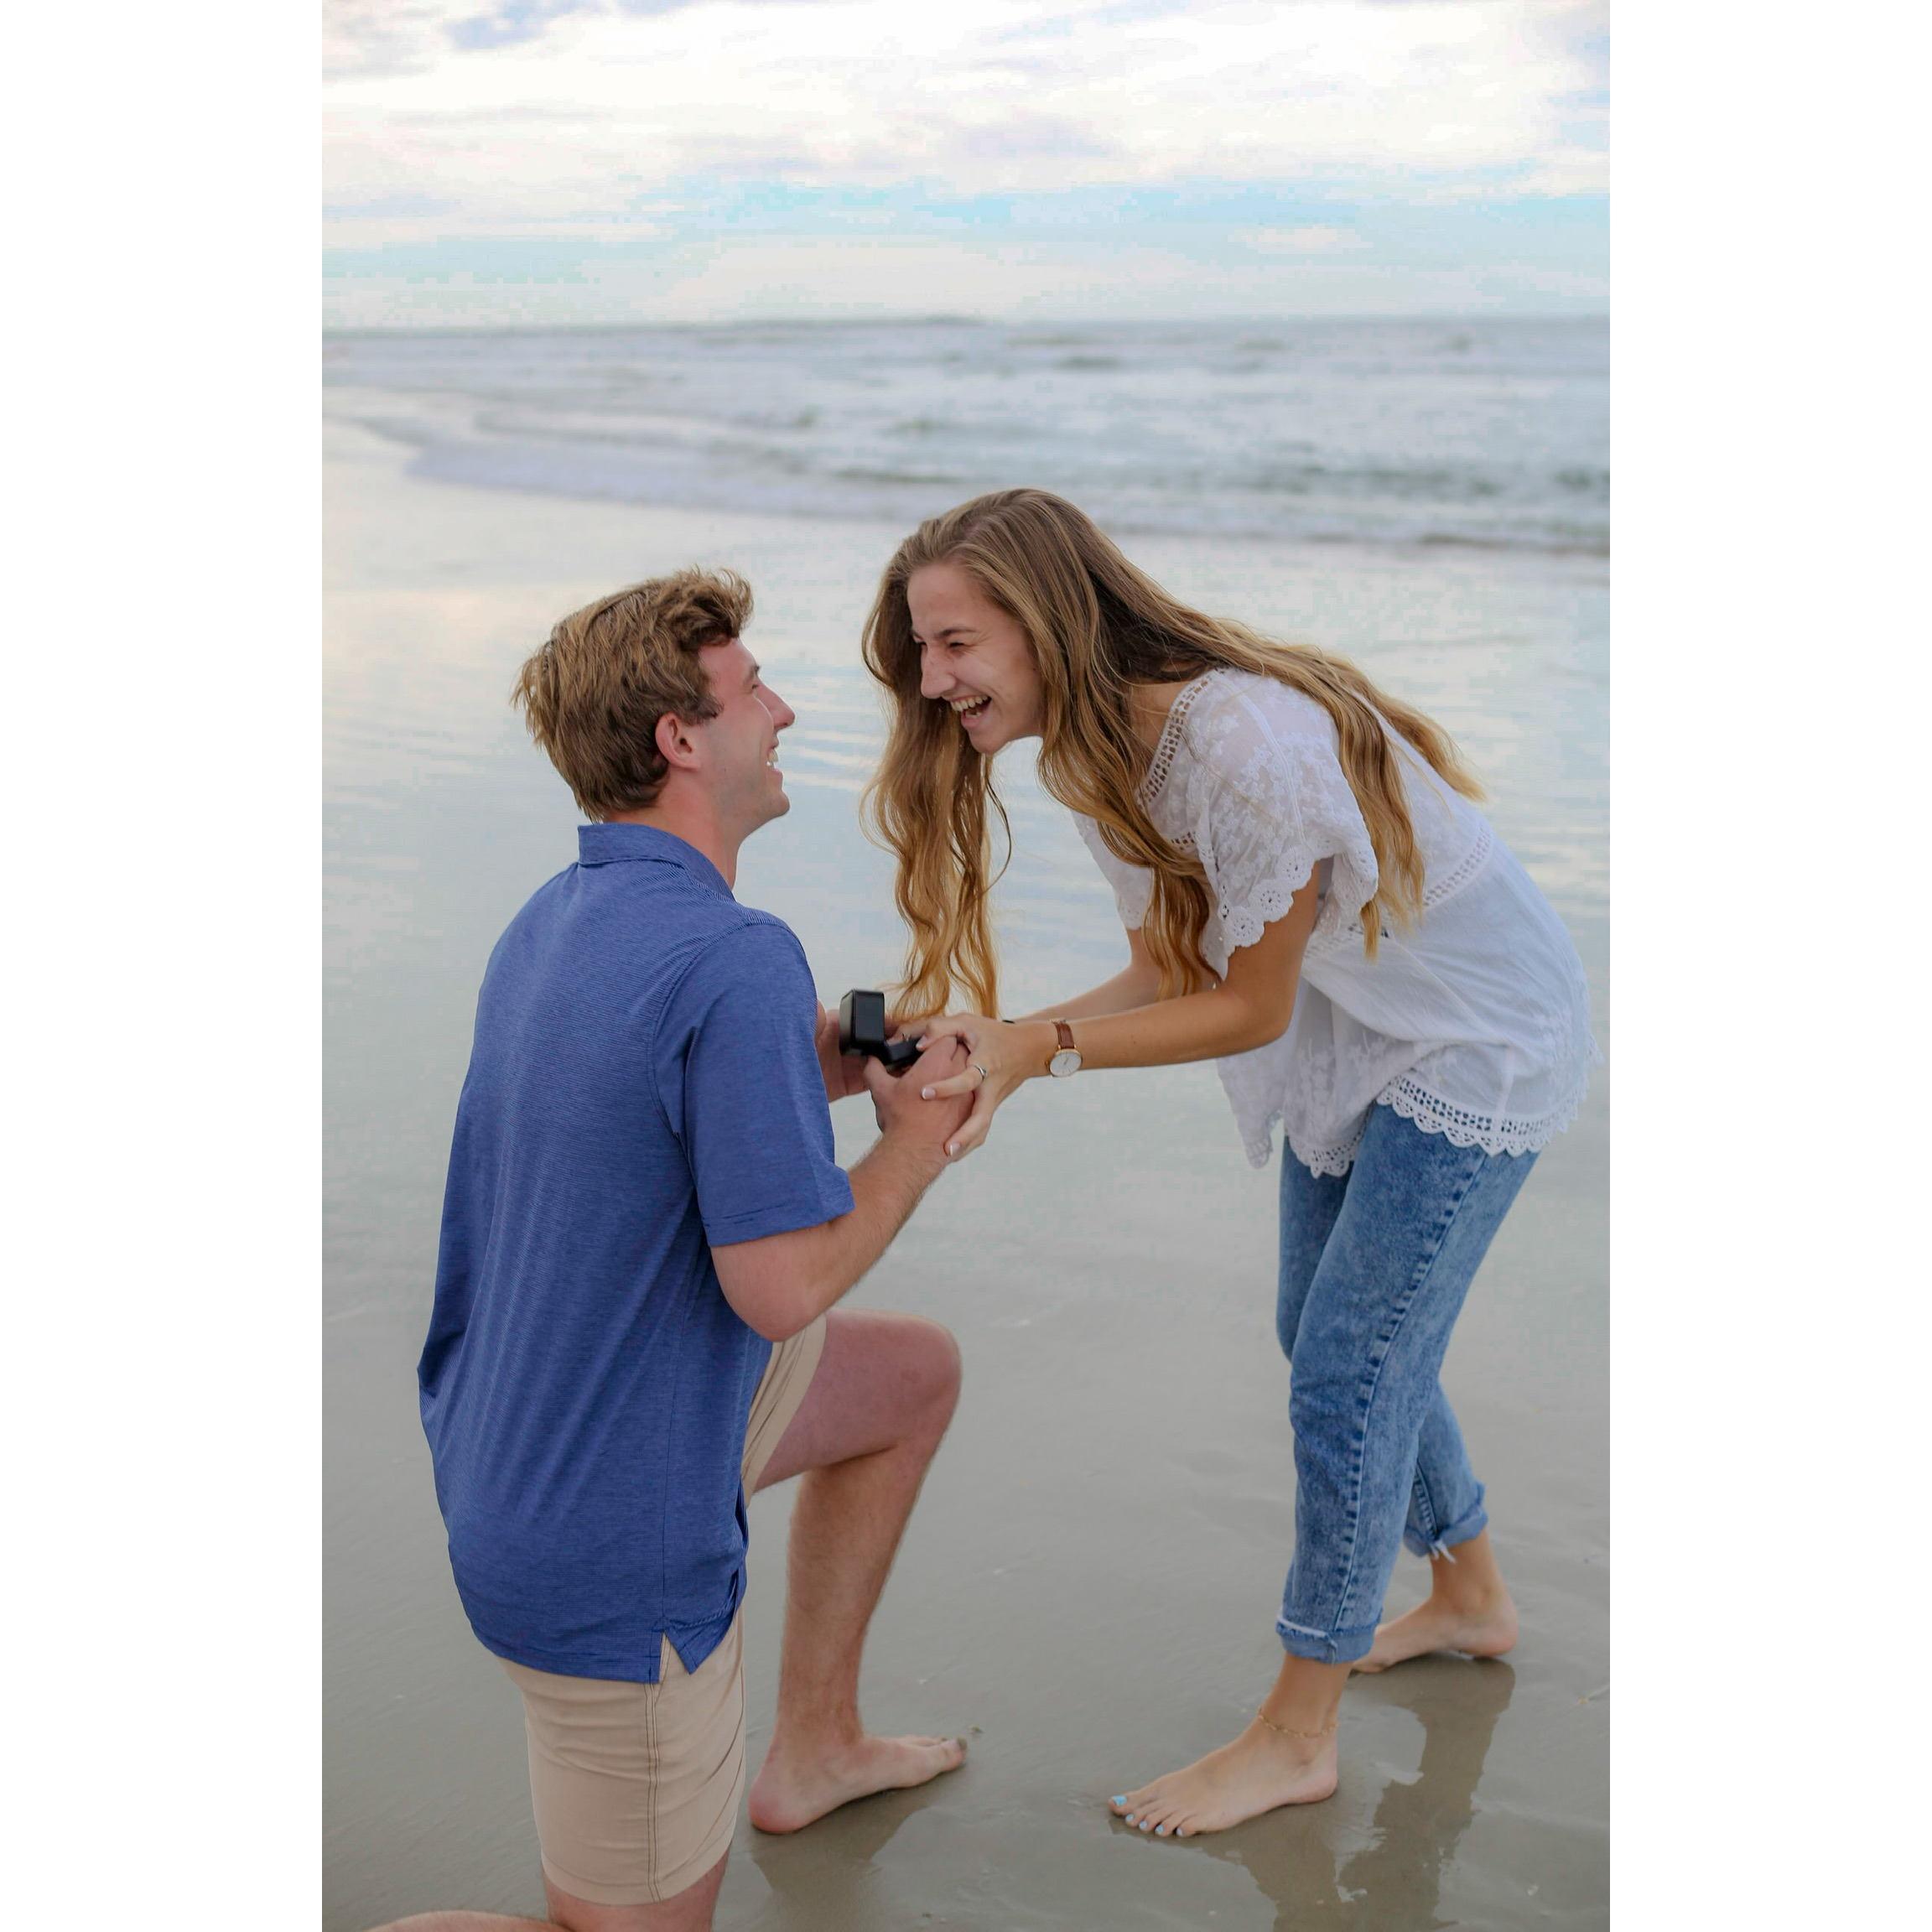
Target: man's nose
(782, 715)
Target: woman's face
(974, 658)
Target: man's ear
(676, 743)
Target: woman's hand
(999, 1057)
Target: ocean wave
(1487, 437)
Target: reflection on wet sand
(1391, 1883)
(810, 1890)
(1394, 1883)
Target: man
(644, 1236)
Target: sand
(1088, 1587)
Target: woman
(1311, 899)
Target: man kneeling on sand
(644, 1236)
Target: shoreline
(1589, 562)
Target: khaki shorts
(636, 1786)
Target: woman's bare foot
(1468, 1609)
(1260, 1771)
(1485, 1629)
(791, 1792)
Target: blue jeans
(1374, 1266)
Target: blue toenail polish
(1162, 1832)
(1146, 1823)
(1118, 1798)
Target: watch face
(1065, 1061)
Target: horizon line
(946, 320)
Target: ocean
(1490, 434)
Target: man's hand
(844, 1072)
(901, 1112)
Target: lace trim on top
(1170, 740)
(1348, 925)
(1436, 890)
(1243, 924)
(1461, 1128)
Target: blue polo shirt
(642, 1084)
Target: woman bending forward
(1311, 899)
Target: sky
(495, 162)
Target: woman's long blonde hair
(1098, 627)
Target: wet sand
(1088, 1587)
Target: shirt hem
(1494, 1133)
(786, 1219)
(625, 1669)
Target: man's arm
(782, 1283)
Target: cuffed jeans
(1375, 1263)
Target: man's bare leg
(884, 1392)
(1468, 1608)
(690, 1911)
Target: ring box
(862, 1030)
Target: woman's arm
(1136, 984)
(1252, 1006)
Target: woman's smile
(961, 635)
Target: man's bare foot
(1260, 1770)
(792, 1790)
(1486, 1630)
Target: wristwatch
(1066, 1061)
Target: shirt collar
(615, 844)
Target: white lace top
(1473, 1024)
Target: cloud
(1313, 240)
(369, 37)
(975, 95)
(509, 23)
(878, 124)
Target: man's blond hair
(593, 693)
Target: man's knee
(915, 1364)
(937, 1360)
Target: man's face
(741, 742)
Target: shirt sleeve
(738, 1073)
(1270, 801)
(1133, 884)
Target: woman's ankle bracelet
(1288, 1731)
